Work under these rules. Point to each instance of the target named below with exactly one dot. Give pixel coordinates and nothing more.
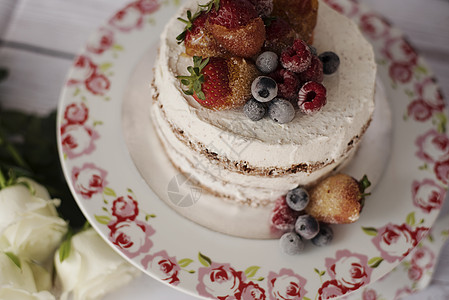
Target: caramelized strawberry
(301, 14)
(197, 39)
(279, 35)
(220, 83)
(236, 26)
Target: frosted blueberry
(330, 61)
(254, 109)
(297, 199)
(281, 110)
(264, 88)
(324, 236)
(307, 226)
(291, 243)
(267, 62)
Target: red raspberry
(288, 83)
(282, 216)
(296, 58)
(311, 97)
(314, 72)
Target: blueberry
(264, 89)
(330, 61)
(291, 243)
(267, 62)
(297, 199)
(324, 236)
(254, 109)
(281, 110)
(307, 226)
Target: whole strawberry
(220, 83)
(337, 199)
(236, 26)
(197, 39)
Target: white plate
(127, 213)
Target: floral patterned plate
(128, 214)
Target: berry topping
(264, 88)
(314, 72)
(282, 216)
(291, 243)
(232, 14)
(263, 7)
(267, 62)
(279, 34)
(311, 97)
(236, 27)
(330, 61)
(307, 226)
(218, 83)
(197, 39)
(288, 83)
(297, 199)
(254, 109)
(281, 110)
(296, 58)
(324, 236)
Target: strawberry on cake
(253, 98)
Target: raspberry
(288, 83)
(296, 58)
(314, 72)
(311, 97)
(282, 216)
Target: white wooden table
(40, 38)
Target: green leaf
(251, 271)
(109, 192)
(185, 262)
(15, 259)
(375, 262)
(191, 271)
(66, 247)
(370, 231)
(103, 219)
(118, 47)
(306, 298)
(105, 66)
(410, 219)
(149, 216)
(421, 69)
(204, 260)
(260, 278)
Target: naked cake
(253, 163)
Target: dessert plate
(130, 215)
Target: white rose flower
(92, 268)
(26, 283)
(17, 201)
(34, 236)
(29, 223)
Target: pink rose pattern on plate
(131, 230)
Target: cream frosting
(319, 138)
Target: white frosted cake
(254, 162)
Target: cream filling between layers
(307, 139)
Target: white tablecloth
(40, 38)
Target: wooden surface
(39, 39)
